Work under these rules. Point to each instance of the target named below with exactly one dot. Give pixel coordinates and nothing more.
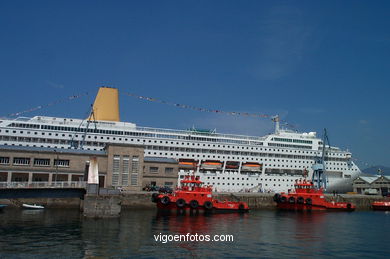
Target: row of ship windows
(64, 142)
(288, 145)
(238, 178)
(242, 184)
(114, 132)
(293, 140)
(183, 143)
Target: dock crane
(319, 173)
(79, 145)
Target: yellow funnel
(106, 105)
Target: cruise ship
(230, 163)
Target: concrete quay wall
(142, 200)
(254, 200)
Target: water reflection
(272, 234)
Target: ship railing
(157, 130)
(42, 185)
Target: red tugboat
(193, 195)
(381, 205)
(307, 197)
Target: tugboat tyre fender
(208, 205)
(277, 197)
(165, 200)
(300, 200)
(241, 207)
(349, 206)
(180, 203)
(283, 199)
(194, 204)
(291, 200)
(309, 201)
(154, 197)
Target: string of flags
(156, 100)
(39, 107)
(185, 106)
(190, 107)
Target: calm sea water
(268, 234)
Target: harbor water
(60, 233)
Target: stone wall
(101, 206)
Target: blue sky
(316, 63)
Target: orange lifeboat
(189, 164)
(232, 165)
(211, 165)
(254, 167)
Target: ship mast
(276, 119)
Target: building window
(153, 169)
(168, 170)
(41, 162)
(4, 160)
(61, 162)
(21, 161)
(134, 170)
(125, 171)
(115, 170)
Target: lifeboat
(381, 205)
(189, 164)
(211, 165)
(194, 196)
(251, 167)
(306, 197)
(232, 165)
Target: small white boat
(32, 206)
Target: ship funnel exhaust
(106, 105)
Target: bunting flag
(39, 107)
(184, 106)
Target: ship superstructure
(228, 162)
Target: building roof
(54, 150)
(371, 179)
(160, 160)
